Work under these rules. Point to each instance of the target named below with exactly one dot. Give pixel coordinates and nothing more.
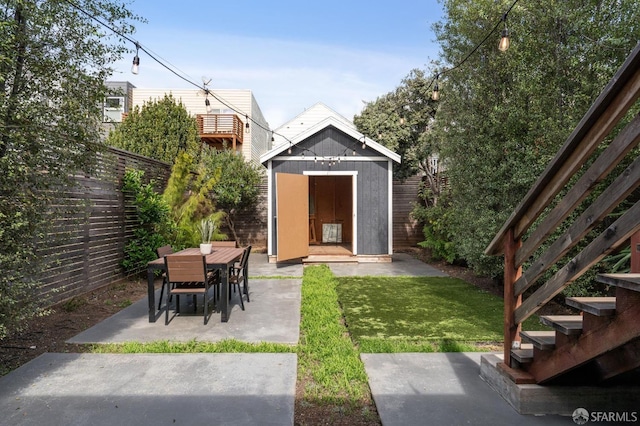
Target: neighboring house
(329, 185)
(116, 104)
(231, 116)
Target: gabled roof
(339, 124)
(305, 120)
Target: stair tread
(628, 281)
(543, 340)
(523, 356)
(566, 324)
(599, 306)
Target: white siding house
(241, 104)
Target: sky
(291, 55)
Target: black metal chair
(240, 275)
(162, 252)
(187, 274)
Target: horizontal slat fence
(407, 232)
(86, 244)
(85, 247)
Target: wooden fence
(86, 246)
(87, 241)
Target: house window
(113, 109)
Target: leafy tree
(502, 116)
(400, 121)
(238, 187)
(189, 199)
(53, 63)
(159, 130)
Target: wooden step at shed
(524, 355)
(570, 325)
(628, 281)
(599, 306)
(543, 340)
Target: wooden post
(635, 253)
(511, 273)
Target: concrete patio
(242, 389)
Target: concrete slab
(440, 389)
(563, 400)
(259, 266)
(402, 264)
(150, 389)
(273, 315)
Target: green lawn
(396, 314)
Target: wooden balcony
(217, 129)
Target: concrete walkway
(241, 389)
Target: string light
(436, 92)
(207, 105)
(504, 40)
(135, 68)
(504, 45)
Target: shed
(329, 191)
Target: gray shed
(329, 193)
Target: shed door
(292, 212)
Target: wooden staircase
(603, 342)
(566, 225)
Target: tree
(237, 190)
(400, 121)
(503, 115)
(159, 130)
(188, 195)
(54, 60)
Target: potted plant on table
(206, 229)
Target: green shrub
(154, 223)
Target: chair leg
(246, 289)
(161, 294)
(166, 310)
(206, 305)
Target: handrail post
(511, 301)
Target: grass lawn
(420, 314)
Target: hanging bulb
(272, 138)
(338, 160)
(504, 40)
(246, 125)
(136, 61)
(207, 104)
(289, 150)
(302, 154)
(315, 159)
(364, 145)
(436, 91)
(401, 120)
(354, 151)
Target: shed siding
(372, 182)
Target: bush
(154, 223)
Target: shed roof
(303, 121)
(339, 124)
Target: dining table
(220, 258)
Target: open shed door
(292, 212)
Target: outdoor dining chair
(238, 275)
(162, 252)
(187, 274)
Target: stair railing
(543, 211)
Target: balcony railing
(215, 129)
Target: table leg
(224, 296)
(151, 295)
